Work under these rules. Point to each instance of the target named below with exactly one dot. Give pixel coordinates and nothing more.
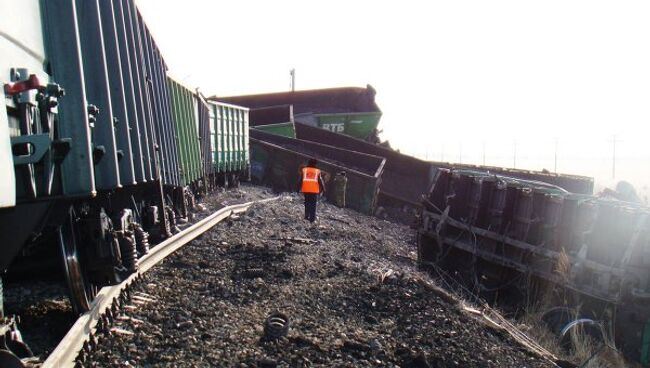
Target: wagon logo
(334, 127)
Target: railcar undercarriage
(585, 256)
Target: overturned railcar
(349, 110)
(276, 161)
(274, 119)
(562, 249)
(406, 178)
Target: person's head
(342, 173)
(312, 162)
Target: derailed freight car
(99, 151)
(348, 110)
(277, 160)
(407, 178)
(229, 143)
(586, 259)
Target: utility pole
(514, 156)
(460, 153)
(483, 153)
(614, 140)
(442, 153)
(555, 157)
(292, 73)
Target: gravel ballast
(349, 286)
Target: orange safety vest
(310, 182)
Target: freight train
(101, 151)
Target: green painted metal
(242, 150)
(358, 125)
(226, 140)
(221, 146)
(235, 139)
(230, 125)
(240, 139)
(183, 102)
(195, 144)
(245, 140)
(98, 93)
(173, 96)
(180, 133)
(213, 138)
(225, 156)
(64, 57)
(214, 127)
(192, 134)
(227, 121)
(284, 129)
(183, 126)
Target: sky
(530, 84)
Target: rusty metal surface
(367, 164)
(572, 183)
(271, 115)
(405, 178)
(330, 100)
(595, 248)
(279, 167)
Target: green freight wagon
(358, 125)
(274, 119)
(236, 130)
(184, 113)
(284, 129)
(348, 110)
(229, 131)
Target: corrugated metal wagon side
(183, 105)
(230, 153)
(206, 142)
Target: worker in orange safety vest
(311, 185)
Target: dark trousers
(310, 206)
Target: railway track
(72, 349)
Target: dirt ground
(348, 284)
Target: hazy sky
(451, 77)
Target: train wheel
(558, 317)
(81, 290)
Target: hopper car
(101, 151)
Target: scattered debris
(353, 301)
(276, 326)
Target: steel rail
(66, 352)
